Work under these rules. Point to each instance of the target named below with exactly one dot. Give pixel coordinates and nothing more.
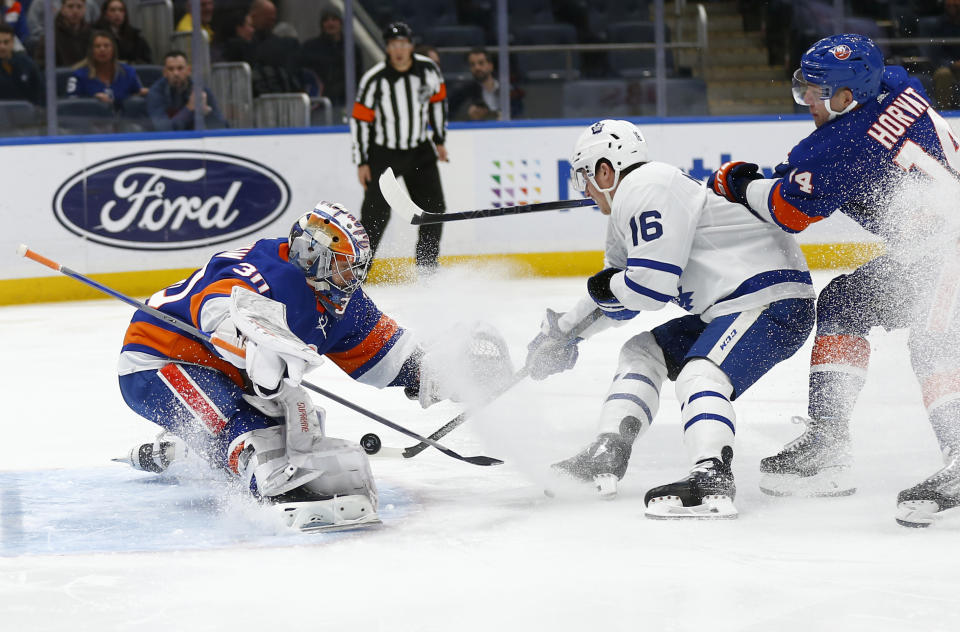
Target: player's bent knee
(642, 352)
(700, 375)
(837, 313)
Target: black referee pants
(418, 167)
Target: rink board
(141, 211)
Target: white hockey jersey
(675, 242)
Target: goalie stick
(399, 201)
(24, 251)
(371, 442)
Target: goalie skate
(932, 500)
(707, 493)
(603, 463)
(817, 463)
(335, 514)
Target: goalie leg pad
(704, 391)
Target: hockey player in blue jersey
(745, 284)
(287, 302)
(883, 156)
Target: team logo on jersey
(170, 200)
(841, 52)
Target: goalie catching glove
(259, 325)
(472, 368)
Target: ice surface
(86, 544)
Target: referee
(395, 101)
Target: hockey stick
(399, 201)
(414, 450)
(24, 251)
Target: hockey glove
(731, 180)
(552, 351)
(598, 286)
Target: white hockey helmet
(332, 249)
(618, 142)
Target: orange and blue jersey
(367, 344)
(849, 163)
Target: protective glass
(804, 91)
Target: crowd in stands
(105, 51)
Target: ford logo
(170, 200)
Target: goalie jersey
(858, 162)
(677, 243)
(365, 343)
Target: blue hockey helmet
(840, 61)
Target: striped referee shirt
(393, 108)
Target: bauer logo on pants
(170, 200)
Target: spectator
(234, 37)
(946, 77)
(104, 76)
(264, 16)
(206, 19)
(19, 77)
(324, 56)
(276, 62)
(428, 51)
(71, 34)
(170, 101)
(11, 13)
(131, 45)
(479, 100)
(35, 16)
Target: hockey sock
(634, 396)
(708, 417)
(838, 370)
(944, 411)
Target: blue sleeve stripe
(636, 400)
(642, 378)
(707, 394)
(639, 289)
(655, 265)
(712, 416)
(767, 279)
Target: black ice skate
(817, 463)
(922, 504)
(602, 463)
(707, 492)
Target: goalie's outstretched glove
(731, 180)
(552, 351)
(598, 286)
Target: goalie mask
(332, 249)
(618, 142)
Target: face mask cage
(335, 276)
(804, 92)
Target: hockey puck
(370, 443)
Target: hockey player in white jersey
(746, 286)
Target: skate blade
(337, 514)
(829, 482)
(671, 508)
(920, 514)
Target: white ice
(87, 544)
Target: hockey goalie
(287, 304)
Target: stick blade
(397, 198)
(482, 460)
